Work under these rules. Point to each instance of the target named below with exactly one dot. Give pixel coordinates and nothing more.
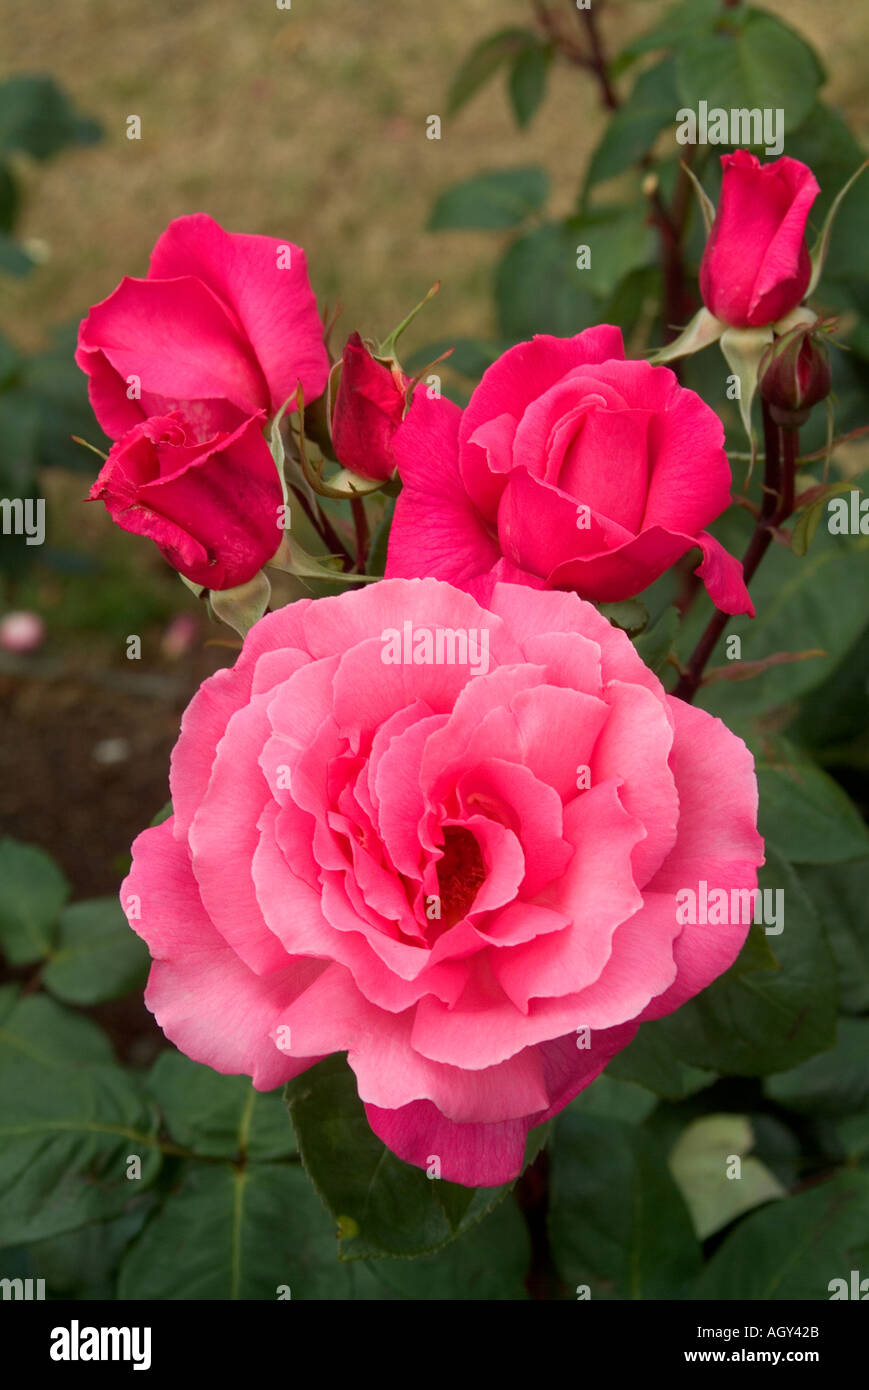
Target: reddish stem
(781, 448)
(598, 57)
(360, 522)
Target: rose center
(460, 873)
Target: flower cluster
(441, 824)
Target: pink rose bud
(21, 632)
(794, 374)
(368, 412)
(756, 265)
(212, 507)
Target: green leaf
(619, 240)
(680, 23)
(853, 1134)
(11, 362)
(631, 132)
(9, 199)
(243, 606)
(32, 892)
(759, 62)
(743, 350)
(634, 298)
(489, 1262)
(824, 597)
(703, 330)
(219, 1116)
(628, 614)
(97, 956)
(831, 1083)
(84, 1264)
(230, 1233)
(492, 201)
(803, 813)
(69, 1120)
(615, 1100)
(827, 145)
(834, 712)
(753, 1022)
(795, 1248)
(19, 428)
(715, 1190)
(381, 1205)
(55, 389)
(380, 541)
(811, 514)
(617, 1222)
(483, 62)
(656, 644)
(839, 896)
(37, 118)
(528, 81)
(538, 287)
(821, 248)
(650, 1061)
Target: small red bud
(794, 374)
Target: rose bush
(223, 326)
(466, 882)
(570, 469)
(756, 265)
(211, 507)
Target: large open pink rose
(225, 325)
(462, 873)
(570, 469)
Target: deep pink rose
(212, 507)
(368, 411)
(756, 265)
(570, 469)
(223, 326)
(541, 793)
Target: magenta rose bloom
(211, 507)
(368, 411)
(756, 265)
(449, 841)
(570, 469)
(224, 326)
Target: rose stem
(595, 61)
(598, 58)
(324, 528)
(360, 522)
(542, 1281)
(781, 446)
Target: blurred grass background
(309, 123)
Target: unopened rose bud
(794, 374)
(368, 411)
(756, 266)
